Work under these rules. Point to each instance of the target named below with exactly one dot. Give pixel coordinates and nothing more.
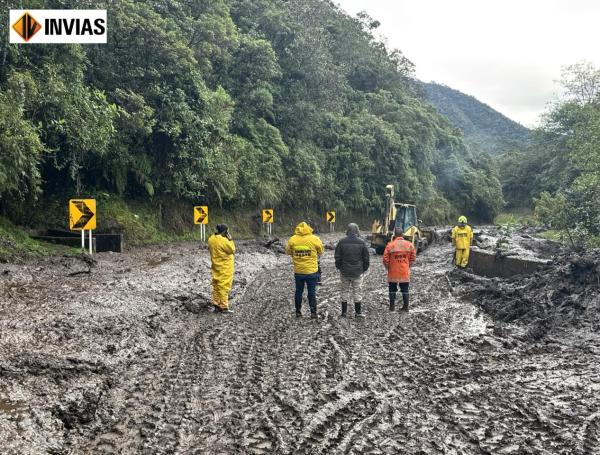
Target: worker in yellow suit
(221, 249)
(462, 236)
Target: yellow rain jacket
(304, 247)
(462, 237)
(221, 255)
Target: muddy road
(122, 355)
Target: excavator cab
(406, 216)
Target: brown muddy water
(122, 356)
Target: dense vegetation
(235, 103)
(481, 125)
(560, 173)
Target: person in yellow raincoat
(305, 249)
(221, 249)
(462, 236)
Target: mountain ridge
(480, 123)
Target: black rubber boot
(344, 309)
(313, 308)
(392, 306)
(405, 302)
(298, 309)
(358, 310)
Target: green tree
(569, 181)
(20, 145)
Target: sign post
(330, 217)
(201, 218)
(82, 217)
(267, 219)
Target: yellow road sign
(82, 214)
(330, 216)
(267, 215)
(201, 214)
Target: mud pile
(521, 242)
(563, 293)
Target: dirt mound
(563, 293)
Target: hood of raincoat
(352, 229)
(303, 229)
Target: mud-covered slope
(128, 359)
(562, 295)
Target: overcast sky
(506, 53)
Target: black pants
(393, 288)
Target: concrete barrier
(490, 264)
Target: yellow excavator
(399, 214)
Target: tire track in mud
(435, 380)
(392, 382)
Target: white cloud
(505, 53)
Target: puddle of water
(10, 407)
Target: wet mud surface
(122, 355)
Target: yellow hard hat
(462, 219)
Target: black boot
(344, 309)
(358, 310)
(313, 308)
(405, 302)
(392, 306)
(298, 310)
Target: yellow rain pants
(221, 255)
(461, 257)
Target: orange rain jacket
(398, 256)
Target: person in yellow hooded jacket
(462, 236)
(221, 248)
(305, 249)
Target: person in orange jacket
(398, 256)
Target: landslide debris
(563, 293)
(129, 359)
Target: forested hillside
(481, 125)
(235, 103)
(560, 173)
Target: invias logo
(58, 26)
(26, 26)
